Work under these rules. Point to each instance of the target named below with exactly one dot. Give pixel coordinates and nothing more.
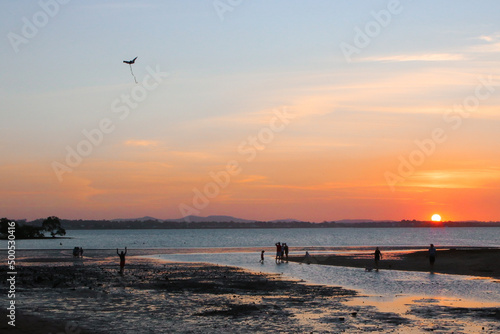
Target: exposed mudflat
(57, 295)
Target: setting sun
(436, 218)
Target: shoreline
(155, 296)
(454, 260)
(471, 261)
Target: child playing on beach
(122, 259)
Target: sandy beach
(59, 294)
(482, 262)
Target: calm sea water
(386, 285)
(216, 238)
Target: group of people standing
(78, 252)
(281, 252)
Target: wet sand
(59, 294)
(482, 262)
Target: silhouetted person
(432, 256)
(378, 256)
(81, 252)
(278, 252)
(122, 259)
(307, 258)
(130, 62)
(285, 250)
(262, 256)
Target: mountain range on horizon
(226, 219)
(198, 219)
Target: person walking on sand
(262, 256)
(432, 256)
(378, 256)
(122, 259)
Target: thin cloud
(141, 143)
(465, 178)
(486, 38)
(253, 179)
(489, 44)
(495, 37)
(428, 57)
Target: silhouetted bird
(130, 62)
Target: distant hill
(143, 219)
(354, 221)
(191, 219)
(219, 219)
(288, 220)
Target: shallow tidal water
(384, 286)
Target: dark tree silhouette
(30, 232)
(20, 231)
(4, 226)
(53, 226)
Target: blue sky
(226, 78)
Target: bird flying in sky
(130, 62)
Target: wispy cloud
(141, 143)
(495, 37)
(252, 179)
(464, 178)
(427, 57)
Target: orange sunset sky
(316, 111)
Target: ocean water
(307, 237)
(384, 285)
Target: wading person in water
(262, 256)
(378, 256)
(278, 252)
(122, 259)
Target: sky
(313, 110)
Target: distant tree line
(154, 224)
(54, 226)
(51, 225)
